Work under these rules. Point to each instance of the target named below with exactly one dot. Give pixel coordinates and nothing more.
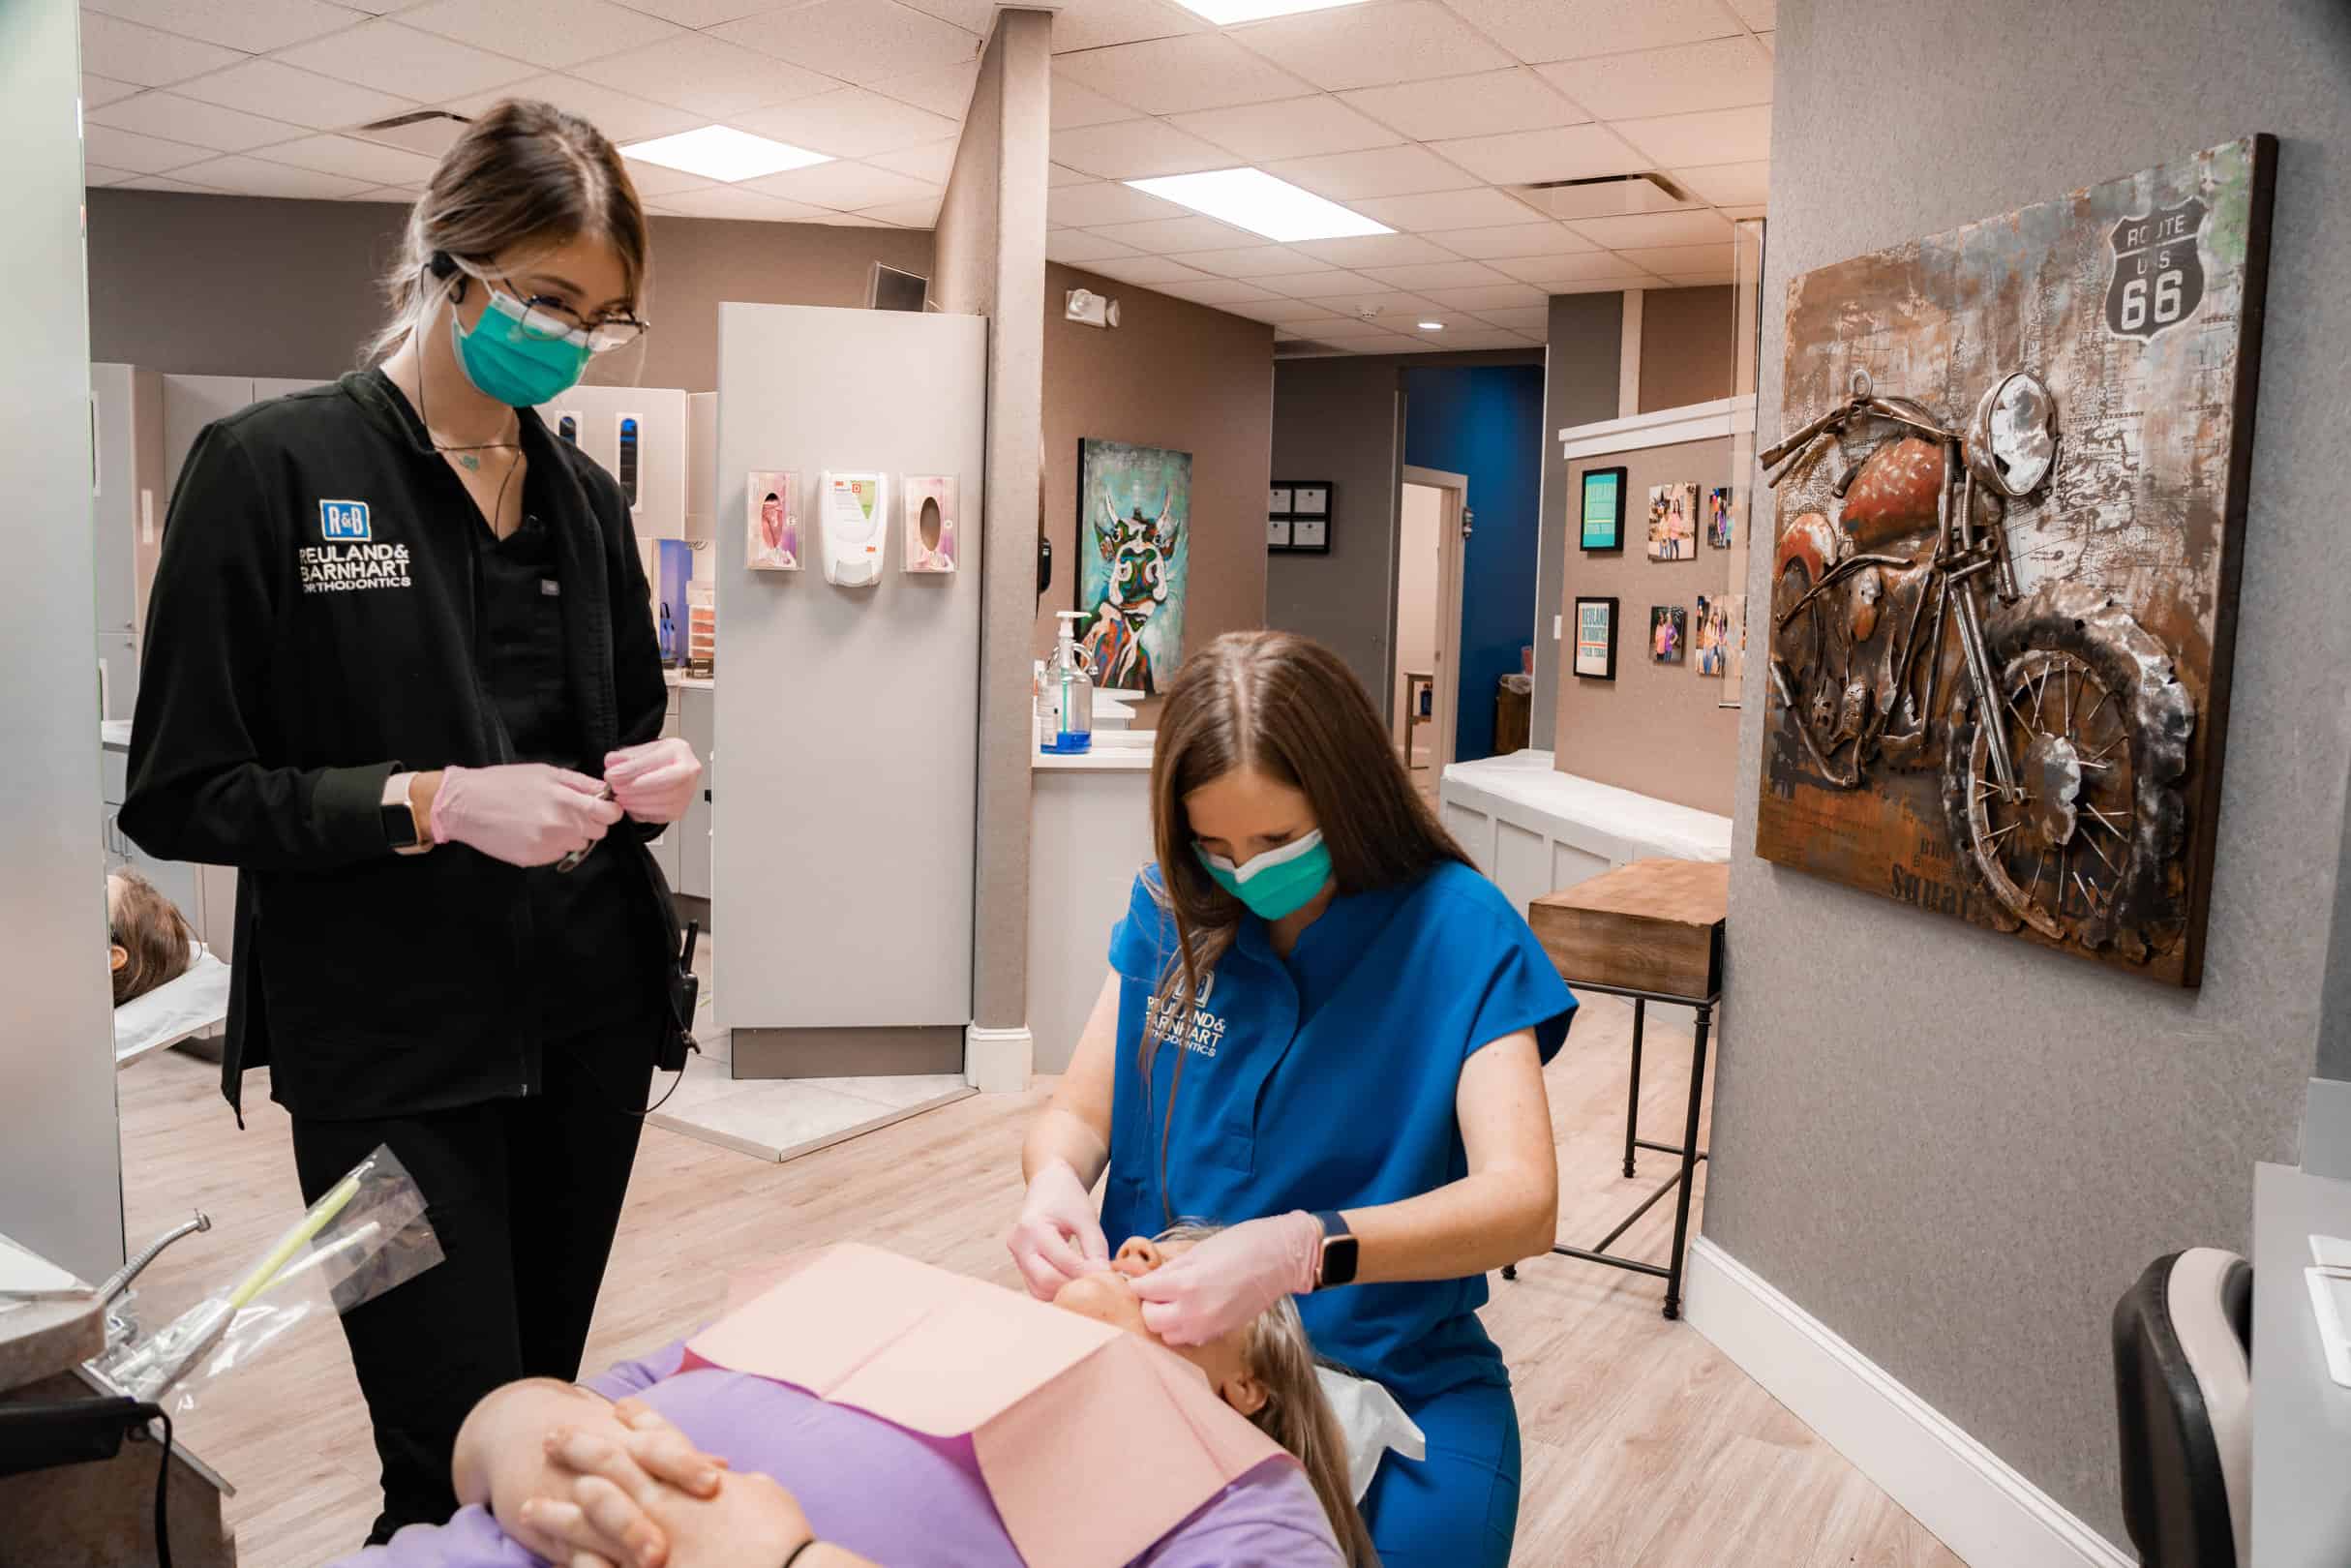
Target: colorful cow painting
(1133, 550)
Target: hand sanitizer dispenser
(1065, 703)
(851, 517)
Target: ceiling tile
(1692, 226)
(1378, 251)
(1074, 246)
(1075, 104)
(251, 176)
(1477, 341)
(250, 26)
(94, 174)
(183, 119)
(844, 185)
(1089, 206)
(1525, 157)
(1488, 297)
(977, 17)
(1381, 172)
(552, 33)
(946, 91)
(1295, 313)
(395, 59)
(1534, 321)
(140, 155)
(846, 219)
(931, 163)
(278, 91)
(1136, 150)
(684, 13)
(1172, 236)
(1538, 30)
(1740, 213)
(125, 51)
(1728, 184)
(1770, 42)
(1386, 302)
(652, 181)
(398, 195)
(1169, 76)
(848, 122)
(921, 214)
(1346, 327)
(1715, 136)
(1550, 271)
(1374, 46)
(1480, 106)
(703, 76)
(1513, 239)
(860, 41)
(1444, 209)
(1294, 127)
(1700, 280)
(1761, 15)
(1722, 73)
(1146, 270)
(1253, 261)
(367, 161)
(1423, 276)
(1056, 176)
(1095, 24)
(165, 182)
(1218, 291)
(1678, 258)
(1604, 285)
(97, 92)
(734, 201)
(620, 116)
(1326, 281)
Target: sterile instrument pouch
(1371, 1422)
(367, 1235)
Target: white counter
(1089, 833)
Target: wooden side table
(1651, 931)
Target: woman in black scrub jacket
(401, 665)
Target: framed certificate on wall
(1596, 639)
(1298, 517)
(1602, 512)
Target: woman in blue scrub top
(1346, 1070)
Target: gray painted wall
(1954, 1150)
(1579, 386)
(60, 1150)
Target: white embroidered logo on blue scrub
(345, 522)
(1206, 1030)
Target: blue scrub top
(1327, 1081)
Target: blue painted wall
(1485, 421)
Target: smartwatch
(1340, 1247)
(403, 827)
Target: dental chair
(2182, 1342)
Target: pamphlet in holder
(772, 540)
(852, 519)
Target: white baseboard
(1973, 1501)
(998, 1061)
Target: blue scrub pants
(1458, 1508)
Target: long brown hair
(1295, 1414)
(1286, 706)
(151, 929)
(525, 173)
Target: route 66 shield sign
(2158, 277)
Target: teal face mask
(517, 368)
(1279, 883)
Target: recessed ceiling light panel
(1433, 326)
(718, 152)
(1226, 13)
(1250, 198)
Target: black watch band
(1340, 1249)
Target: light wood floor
(1644, 1447)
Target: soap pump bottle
(1065, 708)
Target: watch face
(400, 825)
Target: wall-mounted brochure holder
(933, 522)
(771, 504)
(851, 513)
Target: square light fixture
(718, 152)
(1226, 13)
(1250, 198)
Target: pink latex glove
(1207, 1291)
(1058, 1237)
(653, 782)
(521, 813)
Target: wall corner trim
(1972, 1500)
(998, 1061)
(1660, 427)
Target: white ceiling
(1419, 114)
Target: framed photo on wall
(1603, 511)
(1596, 639)
(1298, 517)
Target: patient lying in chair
(903, 1416)
(148, 940)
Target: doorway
(1427, 631)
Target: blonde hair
(151, 929)
(525, 173)
(1295, 1414)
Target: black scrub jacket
(314, 630)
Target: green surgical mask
(518, 367)
(1279, 883)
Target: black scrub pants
(525, 1195)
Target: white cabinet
(127, 502)
(702, 486)
(637, 434)
(207, 894)
(693, 831)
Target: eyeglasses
(551, 318)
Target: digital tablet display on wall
(1603, 508)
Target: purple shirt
(893, 1496)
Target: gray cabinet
(127, 501)
(693, 833)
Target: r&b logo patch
(343, 521)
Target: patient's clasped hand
(898, 1414)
